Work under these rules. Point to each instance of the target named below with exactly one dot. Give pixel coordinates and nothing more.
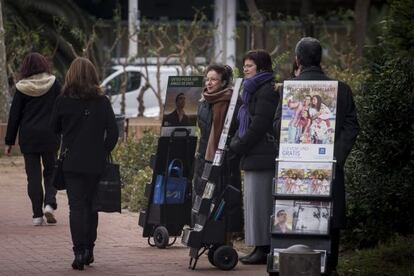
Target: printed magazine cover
(308, 120)
(181, 103)
(310, 179)
(301, 217)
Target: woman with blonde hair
(84, 117)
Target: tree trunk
(306, 15)
(361, 18)
(4, 85)
(257, 21)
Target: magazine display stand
(305, 170)
(169, 193)
(209, 232)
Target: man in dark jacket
(308, 57)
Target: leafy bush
(380, 173)
(134, 159)
(391, 258)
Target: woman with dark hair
(212, 110)
(255, 143)
(30, 111)
(320, 115)
(84, 117)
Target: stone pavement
(46, 250)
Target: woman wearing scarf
(255, 143)
(212, 111)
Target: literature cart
(166, 218)
(169, 193)
(305, 170)
(209, 231)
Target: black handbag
(57, 179)
(107, 197)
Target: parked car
(134, 75)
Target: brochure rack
(305, 170)
(309, 216)
(162, 221)
(209, 231)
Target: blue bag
(175, 185)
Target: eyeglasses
(248, 66)
(211, 79)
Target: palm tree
(59, 29)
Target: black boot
(258, 256)
(88, 256)
(248, 255)
(78, 262)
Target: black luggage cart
(162, 220)
(209, 231)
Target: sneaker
(50, 218)
(38, 221)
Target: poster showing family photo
(308, 120)
(276, 258)
(181, 103)
(308, 179)
(301, 217)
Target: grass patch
(394, 258)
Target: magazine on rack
(307, 179)
(308, 120)
(301, 217)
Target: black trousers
(83, 222)
(333, 257)
(34, 180)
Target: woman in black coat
(254, 141)
(84, 117)
(29, 116)
(212, 110)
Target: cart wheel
(210, 254)
(225, 257)
(149, 242)
(161, 237)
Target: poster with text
(301, 217)
(305, 178)
(308, 120)
(180, 109)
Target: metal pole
(133, 29)
(224, 39)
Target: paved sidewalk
(46, 250)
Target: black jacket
(30, 116)
(89, 131)
(258, 147)
(229, 173)
(346, 131)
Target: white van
(135, 80)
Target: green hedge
(380, 171)
(134, 158)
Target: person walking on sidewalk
(30, 111)
(254, 141)
(84, 117)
